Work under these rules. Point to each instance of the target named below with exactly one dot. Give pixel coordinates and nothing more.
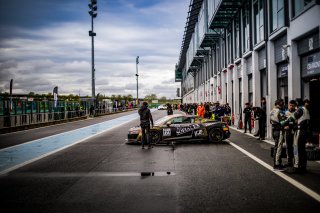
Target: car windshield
(162, 120)
(175, 120)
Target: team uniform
(289, 135)
(302, 116)
(276, 116)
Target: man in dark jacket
(263, 119)
(247, 117)
(145, 118)
(260, 114)
(169, 109)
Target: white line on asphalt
(55, 151)
(26, 130)
(266, 141)
(57, 134)
(295, 183)
(58, 150)
(318, 161)
(67, 146)
(70, 122)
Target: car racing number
(167, 132)
(199, 132)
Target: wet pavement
(103, 174)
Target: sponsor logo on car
(167, 132)
(199, 132)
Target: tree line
(72, 97)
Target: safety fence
(29, 119)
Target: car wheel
(215, 135)
(155, 137)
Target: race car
(162, 107)
(182, 127)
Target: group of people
(256, 113)
(207, 110)
(204, 110)
(292, 128)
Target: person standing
(276, 117)
(247, 117)
(289, 132)
(256, 116)
(169, 109)
(207, 111)
(145, 119)
(91, 110)
(7, 120)
(202, 110)
(227, 109)
(301, 135)
(262, 119)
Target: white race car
(162, 106)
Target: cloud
(58, 52)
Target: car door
(181, 127)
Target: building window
(218, 59)
(246, 28)
(240, 95)
(277, 14)
(223, 51)
(264, 82)
(282, 82)
(250, 88)
(214, 57)
(226, 101)
(229, 44)
(283, 89)
(258, 21)
(300, 5)
(237, 39)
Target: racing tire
(215, 135)
(155, 137)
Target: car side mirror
(169, 123)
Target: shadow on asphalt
(170, 143)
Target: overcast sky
(45, 43)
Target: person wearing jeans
(145, 119)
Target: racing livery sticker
(185, 130)
(199, 132)
(167, 132)
(181, 131)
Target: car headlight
(225, 127)
(134, 132)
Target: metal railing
(37, 118)
(7, 121)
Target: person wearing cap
(145, 119)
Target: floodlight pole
(92, 62)
(93, 14)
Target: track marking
(14, 157)
(238, 130)
(295, 183)
(59, 124)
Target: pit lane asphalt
(102, 175)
